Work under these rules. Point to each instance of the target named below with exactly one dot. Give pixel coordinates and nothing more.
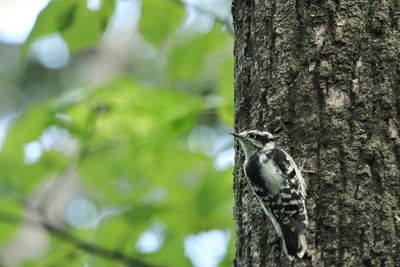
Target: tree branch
(81, 244)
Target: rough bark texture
(328, 72)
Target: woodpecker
(279, 186)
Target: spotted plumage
(279, 186)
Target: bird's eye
(253, 136)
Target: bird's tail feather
(294, 244)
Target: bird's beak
(236, 135)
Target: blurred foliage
(80, 27)
(154, 24)
(128, 138)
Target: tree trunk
(328, 73)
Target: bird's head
(253, 140)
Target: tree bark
(328, 73)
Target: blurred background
(114, 133)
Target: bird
(279, 187)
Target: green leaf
(105, 13)
(83, 32)
(66, 19)
(28, 128)
(188, 58)
(159, 19)
(58, 15)
(80, 27)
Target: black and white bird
(279, 186)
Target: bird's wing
(290, 201)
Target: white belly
(272, 176)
